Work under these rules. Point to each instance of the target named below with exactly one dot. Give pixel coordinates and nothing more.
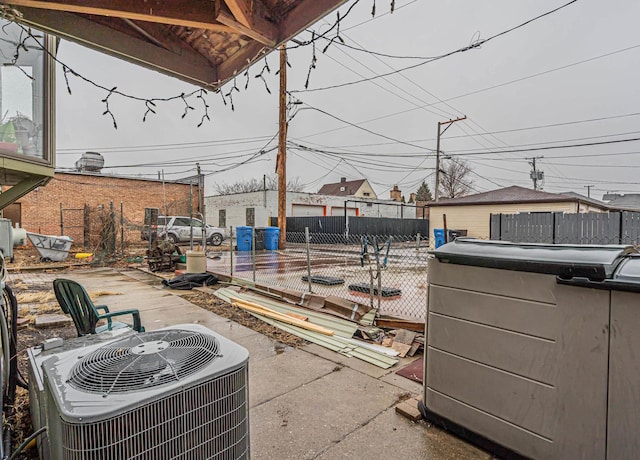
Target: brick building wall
(39, 211)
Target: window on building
(24, 84)
(366, 194)
(250, 217)
(369, 205)
(222, 218)
(342, 189)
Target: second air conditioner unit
(175, 393)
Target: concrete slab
(353, 363)
(53, 320)
(308, 420)
(260, 346)
(308, 403)
(409, 386)
(391, 436)
(277, 375)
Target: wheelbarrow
(51, 248)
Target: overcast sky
(581, 63)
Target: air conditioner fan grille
(143, 361)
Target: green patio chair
(75, 301)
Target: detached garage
(473, 212)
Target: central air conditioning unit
(175, 393)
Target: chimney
(412, 197)
(395, 194)
(343, 179)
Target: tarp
(190, 281)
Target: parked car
(177, 229)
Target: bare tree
(268, 182)
(454, 179)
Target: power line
(553, 125)
(553, 147)
(448, 114)
(365, 129)
(488, 88)
(551, 142)
(153, 147)
(477, 44)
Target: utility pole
(588, 187)
(535, 175)
(281, 162)
(440, 124)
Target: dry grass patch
(35, 297)
(49, 296)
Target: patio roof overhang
(204, 42)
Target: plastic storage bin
(243, 238)
(271, 238)
(534, 347)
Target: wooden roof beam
(306, 14)
(242, 10)
(200, 14)
(185, 64)
(239, 61)
(248, 17)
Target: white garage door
(307, 210)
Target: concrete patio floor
(308, 403)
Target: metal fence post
(231, 250)
(121, 229)
(307, 239)
(87, 224)
(253, 252)
(112, 228)
(418, 240)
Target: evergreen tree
(424, 193)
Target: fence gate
(73, 224)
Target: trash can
(259, 238)
(438, 235)
(453, 234)
(519, 351)
(271, 239)
(243, 238)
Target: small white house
(257, 208)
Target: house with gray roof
(359, 188)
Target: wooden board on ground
(404, 336)
(401, 348)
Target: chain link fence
(105, 230)
(388, 272)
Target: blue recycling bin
(243, 238)
(439, 235)
(271, 238)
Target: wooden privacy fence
(564, 228)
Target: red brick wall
(41, 208)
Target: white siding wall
(266, 206)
